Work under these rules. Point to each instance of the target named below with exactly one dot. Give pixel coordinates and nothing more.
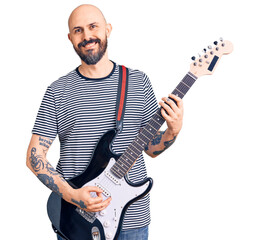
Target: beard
(91, 58)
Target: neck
(100, 70)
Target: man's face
(88, 34)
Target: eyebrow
(76, 28)
(90, 24)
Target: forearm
(40, 166)
(161, 141)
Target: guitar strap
(121, 96)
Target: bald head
(88, 32)
(83, 14)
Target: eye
(78, 30)
(93, 26)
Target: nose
(87, 35)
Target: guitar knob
(103, 212)
(106, 224)
(108, 235)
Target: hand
(82, 198)
(173, 114)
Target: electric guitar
(108, 170)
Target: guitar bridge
(89, 216)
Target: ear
(69, 37)
(108, 29)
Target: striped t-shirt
(80, 110)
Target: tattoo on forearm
(37, 163)
(51, 169)
(167, 145)
(45, 142)
(36, 160)
(49, 182)
(157, 139)
(81, 204)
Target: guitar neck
(131, 154)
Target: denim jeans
(131, 234)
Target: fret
(132, 145)
(177, 93)
(136, 146)
(192, 76)
(144, 136)
(120, 165)
(149, 130)
(126, 160)
(115, 172)
(147, 134)
(122, 160)
(141, 145)
(123, 167)
(132, 152)
(150, 126)
(129, 156)
(180, 91)
(185, 84)
(154, 124)
(189, 79)
(158, 117)
(182, 87)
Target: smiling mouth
(90, 45)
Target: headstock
(206, 64)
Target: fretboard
(131, 154)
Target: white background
(206, 184)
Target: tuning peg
(193, 58)
(204, 50)
(209, 47)
(216, 43)
(221, 39)
(199, 55)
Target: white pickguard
(121, 193)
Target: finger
(179, 110)
(165, 115)
(178, 100)
(93, 189)
(102, 205)
(171, 103)
(167, 108)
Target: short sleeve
(46, 120)
(151, 104)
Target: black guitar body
(66, 218)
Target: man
(80, 108)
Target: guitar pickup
(105, 192)
(112, 178)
